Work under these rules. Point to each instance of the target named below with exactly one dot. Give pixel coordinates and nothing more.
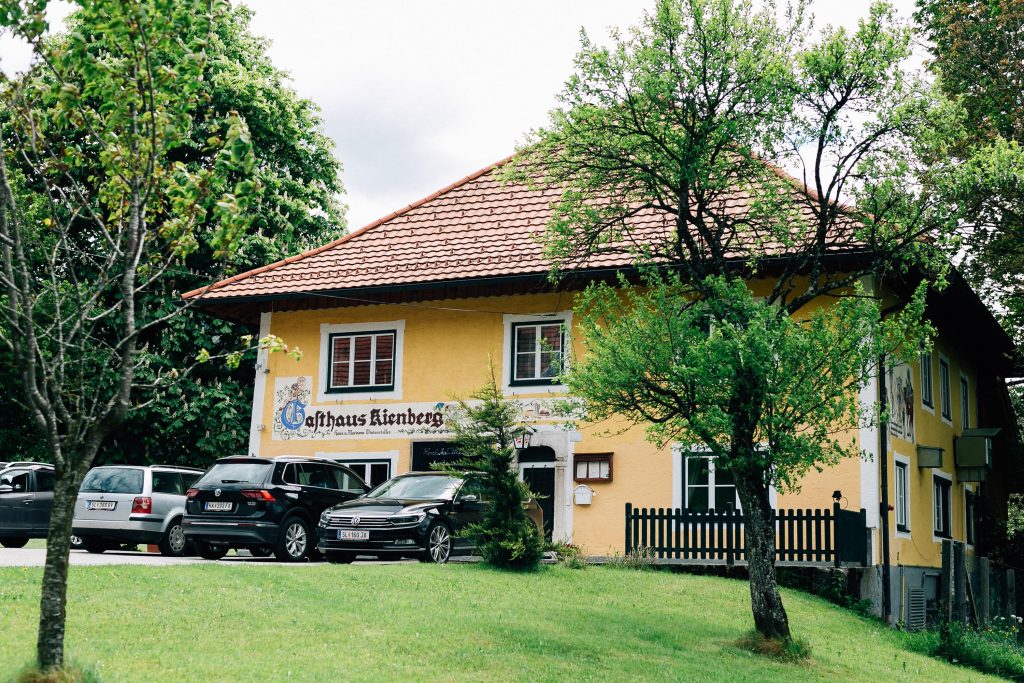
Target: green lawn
(436, 623)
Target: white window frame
(948, 478)
(326, 330)
(901, 462)
(967, 489)
(508, 361)
(966, 404)
(927, 360)
(679, 455)
(946, 393)
(360, 458)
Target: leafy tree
(485, 429)
(663, 149)
(96, 208)
(977, 51)
(204, 414)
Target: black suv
(26, 497)
(265, 505)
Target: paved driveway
(36, 557)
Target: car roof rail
(180, 467)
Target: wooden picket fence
(805, 536)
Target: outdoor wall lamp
(837, 495)
(523, 439)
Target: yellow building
(399, 318)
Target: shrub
(641, 558)
(65, 674)
(571, 556)
(993, 650)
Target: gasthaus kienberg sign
(296, 417)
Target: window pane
(549, 364)
(359, 468)
(526, 366)
(605, 471)
(361, 374)
(926, 378)
(697, 498)
(385, 346)
(725, 498)
(379, 473)
(363, 346)
(341, 349)
(551, 337)
(697, 470)
(340, 377)
(167, 482)
(45, 480)
(526, 339)
(581, 470)
(965, 408)
(382, 377)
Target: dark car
(26, 497)
(418, 514)
(265, 505)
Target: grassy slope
(457, 623)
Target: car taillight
(261, 494)
(192, 493)
(142, 505)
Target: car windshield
(422, 488)
(113, 480)
(236, 473)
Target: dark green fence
(817, 536)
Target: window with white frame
(373, 472)
(361, 361)
(537, 352)
(941, 506)
(927, 383)
(965, 403)
(902, 504)
(945, 397)
(706, 487)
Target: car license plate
(215, 506)
(100, 505)
(353, 535)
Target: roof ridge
(200, 291)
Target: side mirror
(6, 488)
(470, 498)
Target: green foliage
(485, 430)
(792, 650)
(291, 178)
(995, 649)
(664, 356)
(569, 555)
(641, 558)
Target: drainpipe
(883, 506)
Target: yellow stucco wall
(447, 347)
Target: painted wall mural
(296, 417)
(900, 386)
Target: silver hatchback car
(133, 504)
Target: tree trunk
(770, 618)
(53, 602)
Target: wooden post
(960, 574)
(1011, 592)
(629, 528)
(836, 554)
(946, 585)
(730, 558)
(982, 597)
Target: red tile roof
(476, 228)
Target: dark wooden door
(541, 481)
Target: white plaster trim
(897, 458)
(321, 379)
(869, 461)
(506, 352)
(259, 392)
(948, 477)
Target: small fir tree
(485, 428)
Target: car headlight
(400, 520)
(325, 517)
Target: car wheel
(76, 542)
(95, 545)
(293, 543)
(260, 550)
(439, 544)
(208, 551)
(13, 541)
(173, 543)
(340, 558)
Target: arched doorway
(537, 469)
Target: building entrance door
(537, 469)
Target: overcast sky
(419, 94)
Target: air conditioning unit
(973, 448)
